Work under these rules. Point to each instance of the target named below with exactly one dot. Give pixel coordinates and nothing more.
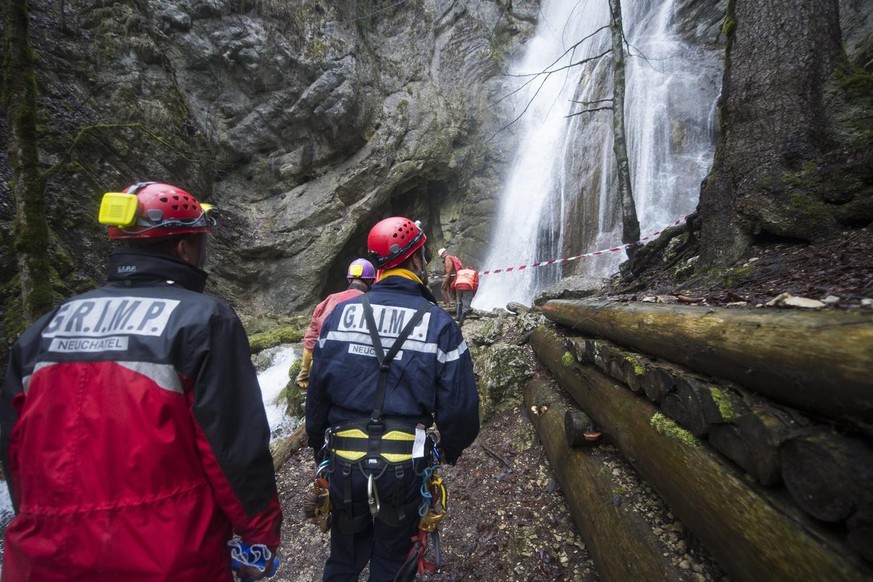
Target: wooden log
(753, 440)
(685, 407)
(657, 381)
(579, 429)
(627, 367)
(283, 450)
(721, 404)
(747, 534)
(620, 541)
(581, 348)
(818, 362)
(829, 475)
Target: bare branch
(609, 100)
(588, 111)
(549, 71)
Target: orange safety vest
(467, 278)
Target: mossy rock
(276, 336)
(293, 397)
(503, 371)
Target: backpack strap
(383, 358)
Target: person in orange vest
(451, 264)
(361, 275)
(466, 284)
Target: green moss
(737, 276)
(316, 49)
(728, 26)
(725, 409)
(669, 428)
(639, 369)
(275, 337)
(567, 359)
(293, 397)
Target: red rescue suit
(134, 437)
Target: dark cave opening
(420, 199)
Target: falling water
(561, 195)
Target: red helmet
(393, 240)
(158, 210)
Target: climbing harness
(376, 445)
(433, 508)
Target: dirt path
(507, 521)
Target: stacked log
(752, 536)
(830, 475)
(752, 431)
(741, 426)
(620, 541)
(818, 362)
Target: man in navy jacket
(429, 381)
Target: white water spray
(561, 195)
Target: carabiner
(373, 496)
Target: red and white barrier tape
(592, 254)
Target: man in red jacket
(451, 265)
(360, 276)
(133, 435)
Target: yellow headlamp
(118, 209)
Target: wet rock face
(701, 21)
(306, 122)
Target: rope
(568, 259)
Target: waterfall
(560, 197)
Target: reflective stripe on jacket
(431, 376)
(134, 436)
(320, 313)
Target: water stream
(561, 195)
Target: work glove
(305, 364)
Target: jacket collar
(130, 266)
(398, 283)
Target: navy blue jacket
(431, 378)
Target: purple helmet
(361, 269)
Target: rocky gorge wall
(306, 122)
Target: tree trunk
(746, 533)
(31, 231)
(630, 225)
(621, 542)
(773, 123)
(819, 362)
